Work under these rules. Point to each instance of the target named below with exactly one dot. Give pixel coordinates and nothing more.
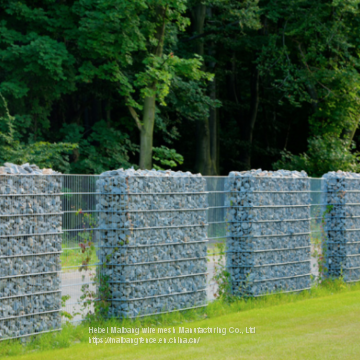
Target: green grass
(322, 323)
(216, 248)
(73, 257)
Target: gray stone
(25, 272)
(153, 226)
(268, 240)
(341, 210)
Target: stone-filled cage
(341, 215)
(30, 247)
(157, 233)
(153, 234)
(268, 232)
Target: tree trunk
(146, 133)
(207, 129)
(348, 134)
(148, 118)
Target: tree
(44, 154)
(125, 45)
(36, 68)
(313, 58)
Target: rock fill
(341, 214)
(30, 246)
(268, 232)
(153, 232)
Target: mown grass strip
(319, 324)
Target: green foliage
(69, 72)
(97, 299)
(106, 148)
(222, 276)
(324, 154)
(313, 59)
(167, 157)
(64, 313)
(6, 123)
(115, 33)
(36, 68)
(43, 154)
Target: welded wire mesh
(153, 234)
(80, 193)
(30, 248)
(21, 244)
(341, 205)
(80, 226)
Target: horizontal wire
(79, 302)
(261, 236)
(267, 221)
(265, 265)
(158, 296)
(339, 229)
(267, 250)
(342, 256)
(345, 268)
(31, 294)
(342, 243)
(158, 262)
(75, 248)
(139, 228)
(27, 255)
(30, 314)
(31, 274)
(35, 234)
(156, 193)
(262, 206)
(34, 194)
(272, 279)
(34, 214)
(151, 245)
(156, 279)
(126, 211)
(87, 283)
(77, 266)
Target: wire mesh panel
(316, 227)
(341, 209)
(215, 186)
(80, 226)
(268, 242)
(30, 247)
(153, 231)
(216, 231)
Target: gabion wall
(153, 228)
(30, 246)
(341, 212)
(268, 233)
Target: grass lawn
(73, 257)
(326, 326)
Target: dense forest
(203, 86)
